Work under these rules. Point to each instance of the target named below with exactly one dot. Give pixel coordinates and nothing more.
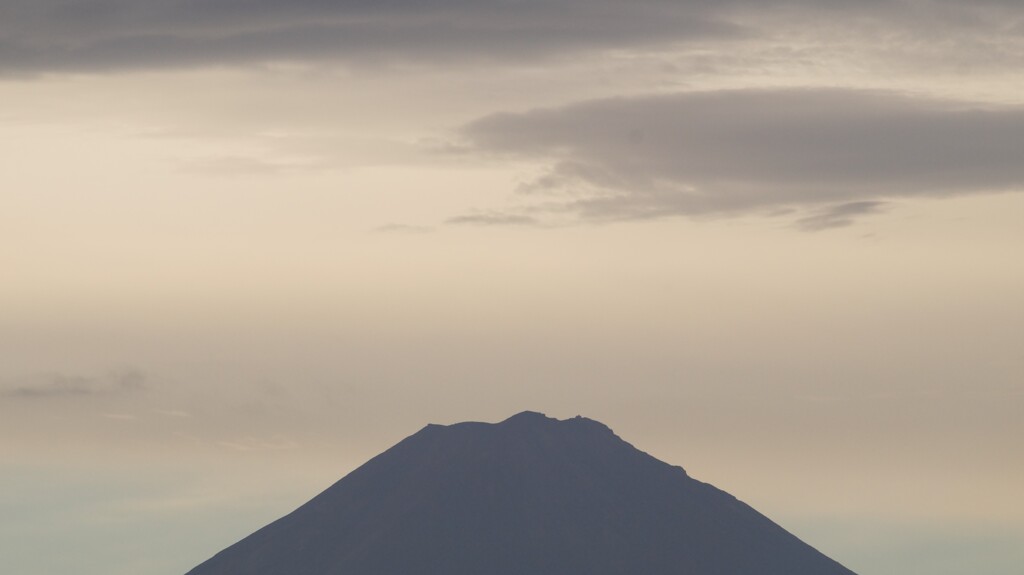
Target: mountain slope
(528, 496)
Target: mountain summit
(531, 495)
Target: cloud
(838, 216)
(100, 34)
(403, 229)
(493, 219)
(839, 153)
(60, 385)
(120, 416)
(49, 35)
(247, 444)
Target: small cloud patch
(57, 385)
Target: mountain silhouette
(531, 495)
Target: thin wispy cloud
(249, 444)
(833, 154)
(492, 218)
(120, 416)
(58, 385)
(403, 229)
(839, 216)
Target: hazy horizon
(248, 245)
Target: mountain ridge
(528, 495)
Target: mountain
(528, 496)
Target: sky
(246, 245)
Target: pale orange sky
(786, 259)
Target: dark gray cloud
(60, 385)
(837, 152)
(106, 34)
(102, 34)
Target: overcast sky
(245, 245)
